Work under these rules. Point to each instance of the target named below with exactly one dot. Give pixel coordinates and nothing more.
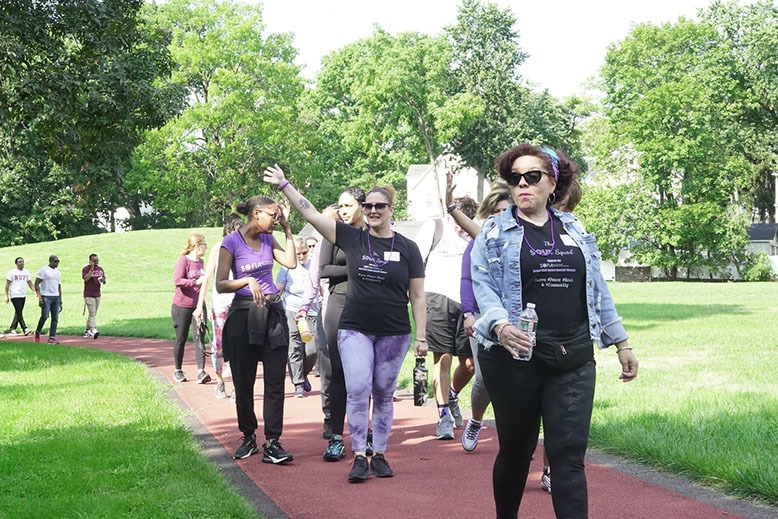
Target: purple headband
(553, 158)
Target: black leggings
(337, 385)
(522, 392)
(18, 303)
(182, 321)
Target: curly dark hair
(467, 205)
(568, 169)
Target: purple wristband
(282, 185)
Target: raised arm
(285, 256)
(274, 175)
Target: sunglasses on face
(380, 206)
(530, 177)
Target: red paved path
(433, 478)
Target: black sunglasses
(380, 206)
(531, 177)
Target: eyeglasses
(530, 177)
(380, 206)
(274, 214)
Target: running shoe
(359, 470)
(178, 376)
(220, 391)
(52, 340)
(445, 428)
(307, 385)
(273, 452)
(545, 479)
(37, 336)
(336, 450)
(456, 414)
(27, 331)
(380, 467)
(299, 391)
(203, 377)
(470, 436)
(87, 334)
(95, 333)
(248, 446)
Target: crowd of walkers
(338, 309)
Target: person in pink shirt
(188, 278)
(94, 277)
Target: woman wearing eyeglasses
(534, 253)
(385, 272)
(188, 278)
(292, 284)
(256, 328)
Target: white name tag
(568, 240)
(392, 255)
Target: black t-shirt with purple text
(379, 274)
(553, 276)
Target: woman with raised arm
(385, 271)
(536, 254)
(256, 328)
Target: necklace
(540, 252)
(375, 261)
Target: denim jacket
(496, 274)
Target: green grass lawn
(86, 433)
(704, 405)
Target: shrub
(757, 268)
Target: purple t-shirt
(246, 262)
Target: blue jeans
(51, 305)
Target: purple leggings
(371, 364)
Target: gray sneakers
(456, 414)
(470, 436)
(445, 428)
(178, 376)
(221, 392)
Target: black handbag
(564, 351)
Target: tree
(77, 88)
(382, 103)
(750, 34)
(674, 109)
(244, 91)
(485, 64)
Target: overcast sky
(566, 39)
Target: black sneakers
(380, 467)
(273, 452)
(248, 446)
(359, 470)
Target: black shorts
(446, 326)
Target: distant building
(427, 186)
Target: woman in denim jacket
(535, 253)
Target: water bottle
(528, 323)
(420, 381)
(304, 329)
